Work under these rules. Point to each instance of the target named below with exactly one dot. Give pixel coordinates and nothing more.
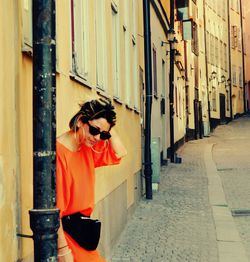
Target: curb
(230, 246)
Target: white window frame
(240, 77)
(135, 76)
(116, 50)
(214, 100)
(134, 20)
(101, 44)
(27, 34)
(127, 44)
(80, 34)
(225, 57)
(234, 77)
(27, 25)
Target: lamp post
(172, 41)
(223, 80)
(211, 77)
(44, 217)
(148, 106)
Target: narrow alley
(201, 211)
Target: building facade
(236, 58)
(246, 45)
(199, 79)
(99, 54)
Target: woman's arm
(64, 252)
(117, 144)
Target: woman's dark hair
(94, 109)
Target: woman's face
(85, 135)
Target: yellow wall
(8, 131)
(236, 60)
(16, 118)
(247, 37)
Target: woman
(91, 142)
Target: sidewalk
(189, 218)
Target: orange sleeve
(63, 182)
(104, 155)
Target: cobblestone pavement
(177, 225)
(232, 156)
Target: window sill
(137, 111)
(129, 107)
(118, 100)
(102, 93)
(80, 80)
(27, 50)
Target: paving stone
(177, 225)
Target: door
(222, 109)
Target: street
(201, 212)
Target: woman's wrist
(62, 247)
(64, 253)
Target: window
(27, 35)
(214, 99)
(134, 16)
(127, 44)
(228, 100)
(116, 50)
(27, 25)
(176, 102)
(101, 59)
(240, 77)
(234, 80)
(155, 72)
(195, 48)
(244, 42)
(163, 72)
(238, 39)
(237, 6)
(216, 50)
(234, 36)
(221, 53)
(127, 56)
(211, 49)
(135, 76)
(224, 6)
(208, 47)
(225, 57)
(80, 38)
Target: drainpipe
(207, 83)
(44, 217)
(148, 103)
(229, 59)
(171, 86)
(243, 57)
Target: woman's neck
(70, 140)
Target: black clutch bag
(84, 230)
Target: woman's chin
(89, 143)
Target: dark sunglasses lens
(93, 131)
(105, 135)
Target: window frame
(115, 50)
(80, 46)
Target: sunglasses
(94, 131)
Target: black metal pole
(243, 59)
(206, 54)
(171, 87)
(148, 105)
(44, 217)
(229, 60)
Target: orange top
(75, 182)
